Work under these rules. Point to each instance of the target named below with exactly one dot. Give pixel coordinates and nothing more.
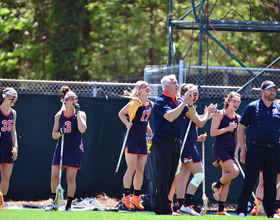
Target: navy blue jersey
(163, 127)
(138, 129)
(7, 122)
(227, 139)
(6, 144)
(257, 113)
(72, 137)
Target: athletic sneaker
(2, 204)
(188, 209)
(51, 208)
(216, 192)
(126, 201)
(274, 216)
(222, 213)
(67, 210)
(241, 215)
(179, 212)
(278, 211)
(137, 201)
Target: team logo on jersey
(275, 110)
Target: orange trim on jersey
(230, 117)
(8, 112)
(66, 115)
(147, 104)
(67, 166)
(5, 163)
(190, 158)
(167, 95)
(126, 148)
(222, 161)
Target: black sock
(53, 196)
(221, 206)
(136, 193)
(218, 184)
(188, 199)
(277, 204)
(180, 202)
(69, 202)
(126, 191)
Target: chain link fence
(217, 82)
(82, 89)
(213, 82)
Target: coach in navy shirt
(168, 117)
(262, 118)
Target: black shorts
(71, 158)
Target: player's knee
(197, 179)
(235, 173)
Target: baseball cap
(269, 85)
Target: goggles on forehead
(192, 89)
(69, 94)
(10, 93)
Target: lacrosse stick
(59, 199)
(133, 107)
(258, 205)
(182, 147)
(204, 197)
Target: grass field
(15, 214)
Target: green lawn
(15, 214)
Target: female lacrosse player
(8, 137)
(72, 123)
(225, 147)
(191, 162)
(136, 147)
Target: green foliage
(109, 40)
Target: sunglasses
(72, 99)
(235, 101)
(144, 86)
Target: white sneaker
(216, 192)
(241, 215)
(275, 216)
(188, 209)
(67, 210)
(51, 208)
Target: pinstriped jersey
(72, 137)
(139, 123)
(227, 139)
(7, 122)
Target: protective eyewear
(73, 98)
(144, 86)
(12, 97)
(235, 101)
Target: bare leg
(6, 171)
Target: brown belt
(176, 139)
(261, 144)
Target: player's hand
(242, 156)
(77, 107)
(232, 126)
(128, 125)
(15, 153)
(62, 130)
(202, 137)
(212, 108)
